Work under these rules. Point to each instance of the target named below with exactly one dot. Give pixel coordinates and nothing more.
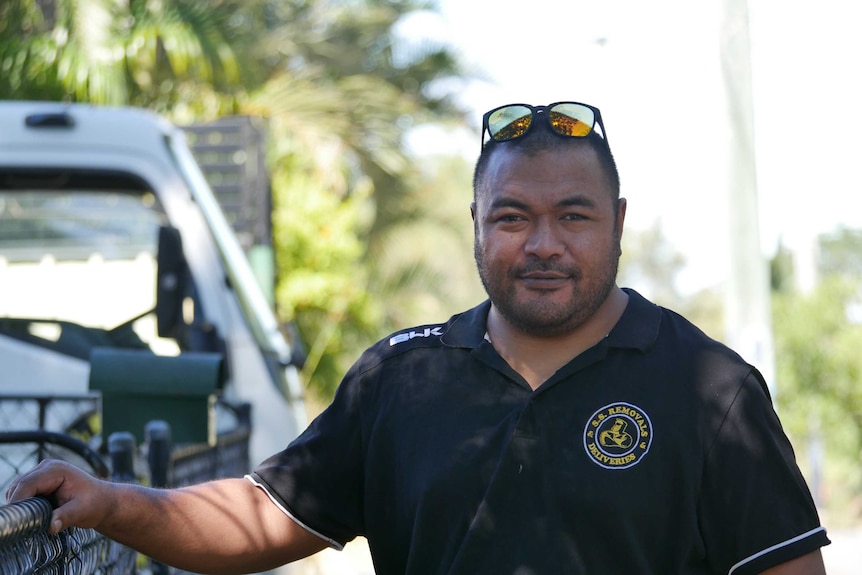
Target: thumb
(56, 523)
(70, 513)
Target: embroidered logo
(618, 436)
(407, 336)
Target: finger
(44, 479)
(11, 489)
(16, 492)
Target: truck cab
(111, 239)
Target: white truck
(111, 239)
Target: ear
(621, 216)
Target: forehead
(544, 175)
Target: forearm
(226, 526)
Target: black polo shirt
(657, 451)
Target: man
(565, 426)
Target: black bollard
(158, 434)
(121, 447)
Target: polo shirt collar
(468, 329)
(637, 328)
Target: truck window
(78, 260)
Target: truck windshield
(78, 249)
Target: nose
(544, 241)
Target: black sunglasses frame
(542, 111)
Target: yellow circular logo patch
(618, 436)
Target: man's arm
(225, 526)
(810, 564)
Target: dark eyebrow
(577, 201)
(505, 202)
(571, 201)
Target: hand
(80, 499)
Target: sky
(654, 69)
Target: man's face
(547, 238)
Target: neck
(537, 358)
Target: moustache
(544, 266)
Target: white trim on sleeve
(332, 542)
(774, 547)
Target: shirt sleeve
(318, 478)
(756, 509)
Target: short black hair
(542, 138)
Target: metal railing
(69, 416)
(54, 412)
(26, 547)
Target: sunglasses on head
(570, 119)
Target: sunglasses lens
(509, 122)
(572, 119)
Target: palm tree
(135, 52)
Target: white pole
(748, 317)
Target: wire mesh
(26, 548)
(72, 416)
(21, 450)
(25, 545)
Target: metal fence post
(158, 434)
(158, 437)
(121, 447)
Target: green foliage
(141, 52)
(818, 374)
(324, 287)
(338, 117)
(423, 273)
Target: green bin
(138, 387)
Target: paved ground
(354, 560)
(842, 557)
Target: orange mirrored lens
(567, 126)
(572, 120)
(509, 122)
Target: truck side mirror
(171, 282)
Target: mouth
(544, 279)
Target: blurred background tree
(152, 54)
(651, 265)
(341, 90)
(818, 337)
